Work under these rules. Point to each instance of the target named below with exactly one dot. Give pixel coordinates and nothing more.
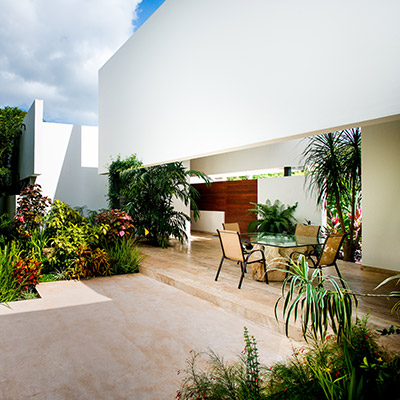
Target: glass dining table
(282, 240)
(277, 248)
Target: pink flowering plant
(119, 223)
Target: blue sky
(57, 53)
(145, 9)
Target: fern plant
(274, 218)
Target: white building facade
(208, 78)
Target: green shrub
(7, 230)
(125, 257)
(89, 263)
(62, 215)
(219, 380)
(9, 286)
(48, 278)
(69, 232)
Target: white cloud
(52, 50)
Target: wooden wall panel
(233, 197)
(239, 195)
(212, 198)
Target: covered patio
(192, 267)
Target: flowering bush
(120, 224)
(27, 273)
(31, 209)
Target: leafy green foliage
(61, 215)
(47, 278)
(89, 263)
(31, 209)
(69, 231)
(10, 130)
(9, 286)
(149, 194)
(274, 218)
(241, 380)
(125, 256)
(318, 307)
(7, 230)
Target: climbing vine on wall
(114, 178)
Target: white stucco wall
(289, 190)
(204, 76)
(64, 160)
(209, 221)
(27, 141)
(381, 195)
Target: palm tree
(333, 162)
(148, 198)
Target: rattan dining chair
(234, 226)
(231, 226)
(308, 231)
(232, 250)
(329, 254)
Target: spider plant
(396, 307)
(318, 307)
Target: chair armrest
(250, 253)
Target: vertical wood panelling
(239, 196)
(233, 197)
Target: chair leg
(219, 268)
(340, 276)
(243, 270)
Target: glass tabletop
(279, 239)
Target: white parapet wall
(209, 221)
(63, 159)
(289, 190)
